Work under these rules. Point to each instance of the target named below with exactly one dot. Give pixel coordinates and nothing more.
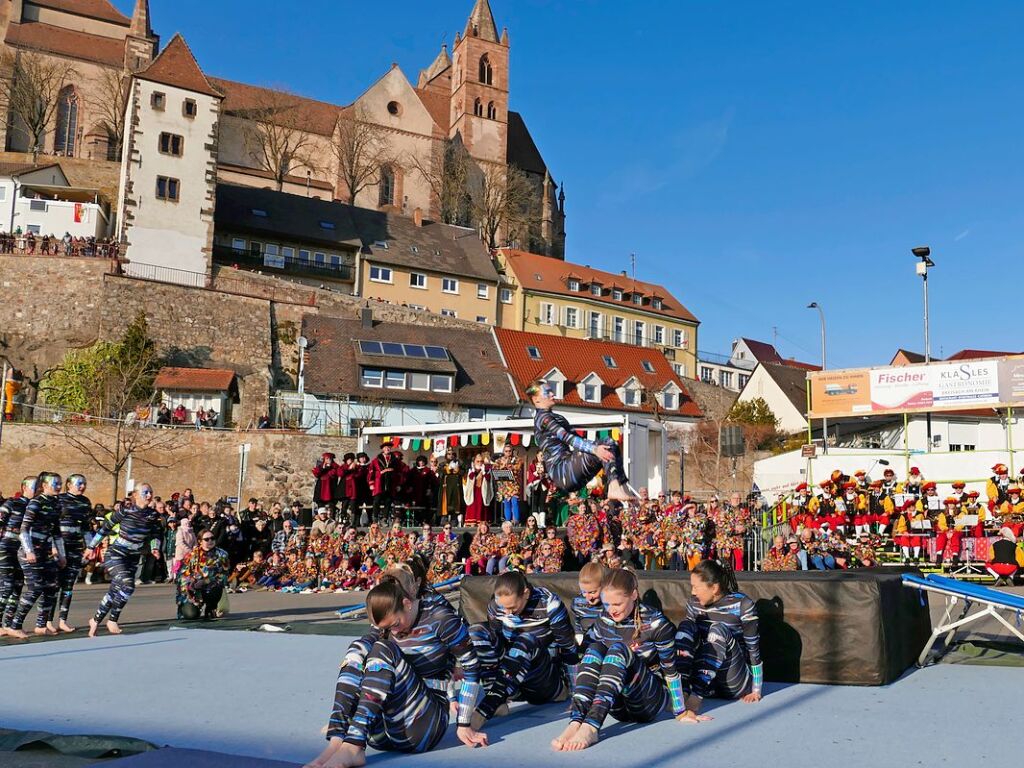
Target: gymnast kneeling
(391, 692)
(628, 669)
(718, 650)
(525, 648)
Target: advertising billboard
(994, 383)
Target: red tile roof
(194, 379)
(67, 42)
(318, 116)
(177, 66)
(550, 275)
(977, 354)
(577, 358)
(438, 105)
(97, 9)
(764, 352)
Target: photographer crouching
(202, 580)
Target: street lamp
(923, 252)
(824, 422)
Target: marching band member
(1012, 510)
(889, 482)
(904, 536)
(950, 533)
(880, 506)
(915, 483)
(997, 486)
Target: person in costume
(570, 460)
(509, 492)
(391, 691)
(478, 491)
(718, 646)
(628, 669)
(137, 524)
(41, 555)
(450, 496)
(12, 580)
(525, 647)
(75, 513)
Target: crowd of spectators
(51, 245)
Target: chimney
(366, 317)
(623, 273)
(417, 216)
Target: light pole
(923, 252)
(824, 422)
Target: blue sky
(755, 156)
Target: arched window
(67, 122)
(478, 108)
(486, 74)
(386, 194)
(492, 112)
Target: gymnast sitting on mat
(571, 461)
(718, 650)
(392, 687)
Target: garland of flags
(498, 440)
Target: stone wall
(279, 463)
(51, 304)
(246, 322)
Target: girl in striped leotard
(718, 648)
(628, 669)
(391, 689)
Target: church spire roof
(441, 63)
(481, 22)
(140, 20)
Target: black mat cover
(860, 627)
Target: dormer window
(616, 294)
(638, 299)
(574, 284)
(669, 401)
(656, 303)
(631, 397)
(591, 393)
(595, 289)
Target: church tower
(479, 102)
(140, 44)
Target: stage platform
(239, 696)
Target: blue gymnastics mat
(254, 699)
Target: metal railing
(164, 274)
(276, 264)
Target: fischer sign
(936, 386)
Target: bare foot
(65, 627)
(43, 631)
(617, 493)
(112, 627)
(16, 634)
(3, 631)
(585, 737)
(50, 628)
(93, 626)
(558, 743)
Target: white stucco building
(39, 199)
(166, 203)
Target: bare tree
(110, 446)
(503, 200)
(109, 101)
(447, 173)
(451, 413)
(30, 91)
(361, 149)
(276, 133)
(372, 411)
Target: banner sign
(939, 386)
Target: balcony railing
(281, 264)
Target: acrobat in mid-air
(572, 461)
